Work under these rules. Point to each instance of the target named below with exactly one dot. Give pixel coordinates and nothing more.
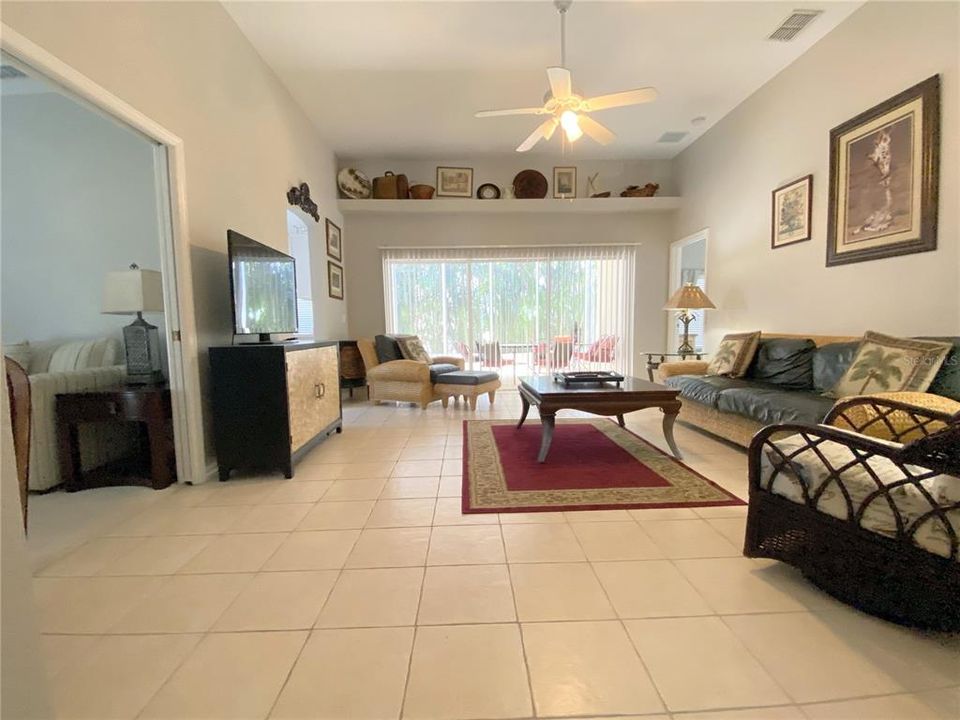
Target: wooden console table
(145, 404)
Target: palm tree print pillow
(889, 364)
(734, 354)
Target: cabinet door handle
(316, 390)
(323, 390)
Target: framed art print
(334, 280)
(334, 243)
(564, 182)
(454, 182)
(884, 178)
(792, 212)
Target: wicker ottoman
(469, 384)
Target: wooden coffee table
(600, 399)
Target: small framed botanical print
(564, 182)
(454, 182)
(884, 178)
(334, 247)
(335, 280)
(792, 212)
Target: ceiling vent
(673, 136)
(8, 72)
(792, 26)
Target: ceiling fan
(567, 109)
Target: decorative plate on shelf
(354, 184)
(488, 191)
(529, 184)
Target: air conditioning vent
(673, 136)
(792, 26)
(8, 72)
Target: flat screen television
(263, 286)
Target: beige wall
(188, 67)
(781, 133)
(365, 234)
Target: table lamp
(687, 298)
(137, 291)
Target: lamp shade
(689, 297)
(126, 292)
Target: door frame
(673, 280)
(175, 264)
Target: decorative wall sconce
(300, 197)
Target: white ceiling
(403, 79)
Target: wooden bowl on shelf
(421, 192)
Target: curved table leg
(547, 423)
(620, 421)
(669, 416)
(526, 409)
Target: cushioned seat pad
(769, 404)
(704, 389)
(438, 369)
(468, 377)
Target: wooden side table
(353, 374)
(655, 359)
(145, 404)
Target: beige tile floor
(358, 590)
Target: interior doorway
(177, 324)
(688, 264)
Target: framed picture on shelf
(792, 212)
(334, 246)
(884, 178)
(334, 280)
(454, 182)
(564, 182)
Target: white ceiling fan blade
(512, 111)
(561, 85)
(627, 97)
(544, 130)
(551, 128)
(595, 130)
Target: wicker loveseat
(405, 380)
(866, 505)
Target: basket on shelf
(648, 190)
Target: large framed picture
(884, 176)
(334, 244)
(334, 280)
(564, 182)
(454, 182)
(792, 212)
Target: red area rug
(592, 465)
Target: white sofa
(74, 366)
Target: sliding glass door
(521, 311)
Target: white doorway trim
(676, 249)
(179, 318)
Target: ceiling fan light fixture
(568, 109)
(570, 122)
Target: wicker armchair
(866, 505)
(401, 380)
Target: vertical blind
(525, 309)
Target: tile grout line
(311, 630)
(619, 620)
(516, 614)
(416, 625)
